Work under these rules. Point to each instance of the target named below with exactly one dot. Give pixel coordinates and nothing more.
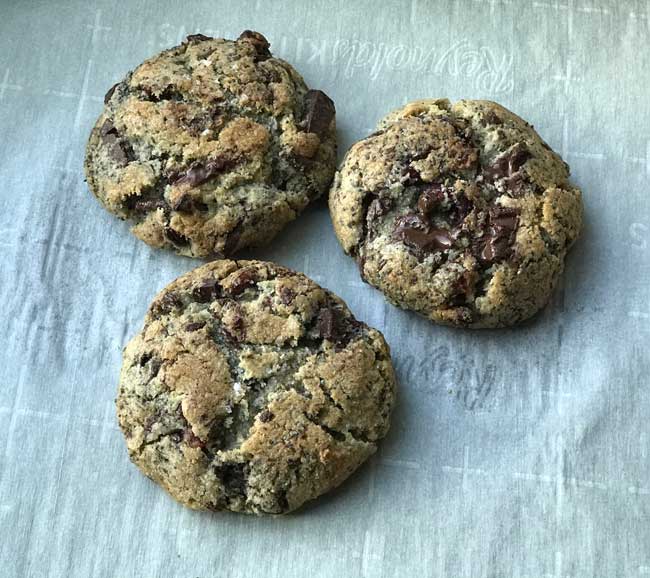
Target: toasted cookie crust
(211, 146)
(460, 212)
(252, 389)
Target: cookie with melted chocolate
(460, 212)
(252, 389)
(211, 146)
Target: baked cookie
(250, 388)
(212, 146)
(460, 212)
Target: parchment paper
(517, 453)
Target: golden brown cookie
(211, 146)
(460, 212)
(250, 388)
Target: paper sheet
(516, 453)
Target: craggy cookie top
(250, 388)
(211, 146)
(460, 212)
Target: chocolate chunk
(327, 324)
(192, 38)
(121, 152)
(495, 249)
(377, 208)
(192, 440)
(266, 416)
(333, 326)
(433, 240)
(145, 358)
(260, 43)
(287, 295)
(183, 204)
(110, 92)
(490, 117)
(191, 327)
(244, 280)
(429, 199)
(237, 327)
(413, 231)
(520, 154)
(503, 222)
(186, 204)
(207, 291)
(508, 164)
(166, 304)
(411, 221)
(319, 112)
(176, 238)
(498, 169)
(205, 121)
(504, 217)
(516, 184)
(199, 173)
(107, 128)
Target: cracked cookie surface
(252, 389)
(211, 146)
(460, 212)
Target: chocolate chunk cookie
(460, 212)
(252, 389)
(212, 146)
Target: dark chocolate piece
(327, 324)
(508, 164)
(377, 208)
(491, 117)
(207, 291)
(166, 303)
(503, 222)
(243, 281)
(110, 92)
(413, 231)
(260, 43)
(120, 151)
(199, 173)
(175, 237)
(287, 295)
(319, 112)
(192, 38)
